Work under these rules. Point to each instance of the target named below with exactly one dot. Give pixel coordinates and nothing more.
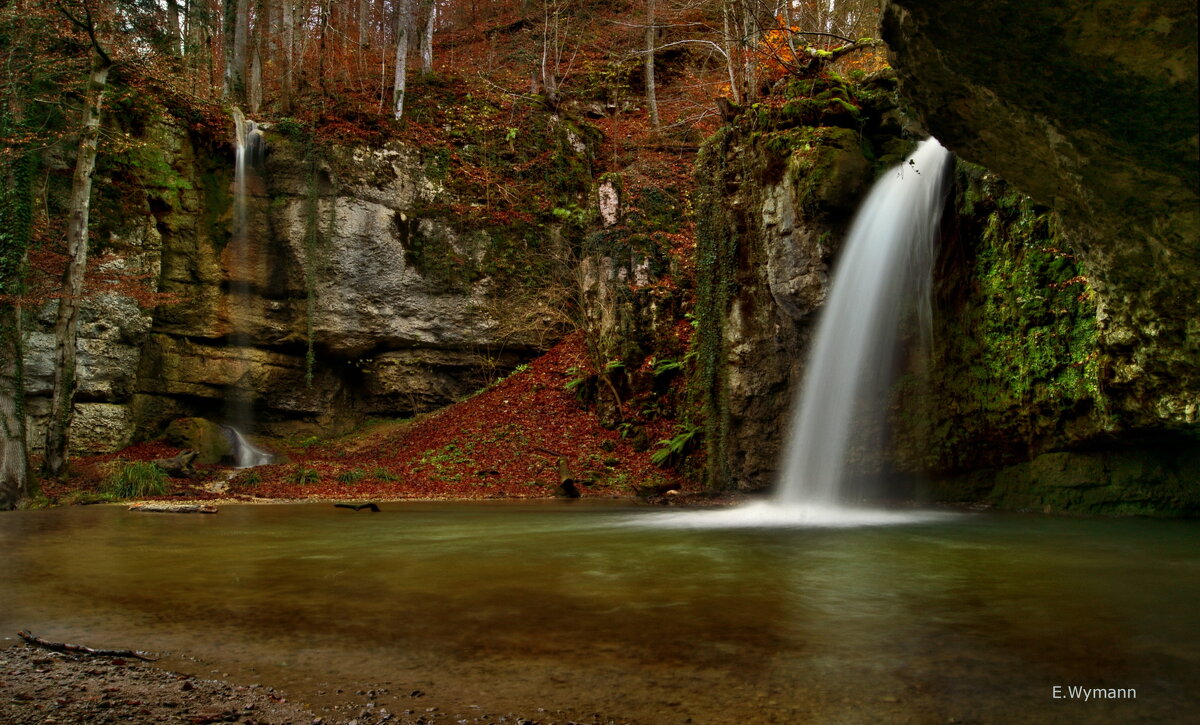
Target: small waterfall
(248, 152)
(245, 454)
(883, 274)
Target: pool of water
(596, 608)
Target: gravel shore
(44, 687)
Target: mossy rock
(201, 435)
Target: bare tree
(426, 20)
(66, 325)
(236, 25)
(651, 40)
(403, 25)
(16, 204)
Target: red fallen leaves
(492, 445)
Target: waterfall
(248, 151)
(883, 274)
(245, 454)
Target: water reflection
(526, 606)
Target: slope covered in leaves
(503, 442)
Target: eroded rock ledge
(1089, 107)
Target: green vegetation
(1018, 355)
(673, 449)
(303, 475)
(383, 474)
(716, 267)
(136, 480)
(351, 477)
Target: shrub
(350, 477)
(304, 475)
(135, 480)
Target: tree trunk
(66, 326)
(173, 30)
(403, 22)
(364, 15)
(287, 57)
(428, 18)
(748, 35)
(550, 21)
(237, 21)
(240, 45)
(228, 33)
(16, 221)
(15, 482)
(651, 40)
(730, 57)
(255, 94)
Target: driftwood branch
(80, 649)
(821, 34)
(857, 45)
(173, 508)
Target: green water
(516, 606)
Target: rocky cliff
(777, 189)
(1090, 108)
(368, 286)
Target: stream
(590, 607)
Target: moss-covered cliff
(777, 188)
(1012, 400)
(1092, 111)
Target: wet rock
(201, 435)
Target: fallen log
(358, 506)
(567, 487)
(173, 508)
(80, 649)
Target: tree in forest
(87, 16)
(404, 21)
(16, 204)
(651, 40)
(237, 28)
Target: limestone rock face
(1089, 107)
(356, 289)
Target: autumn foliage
(504, 441)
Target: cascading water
(248, 148)
(245, 454)
(883, 275)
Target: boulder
(209, 440)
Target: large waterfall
(882, 277)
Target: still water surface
(577, 606)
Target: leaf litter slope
(502, 442)
(498, 443)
